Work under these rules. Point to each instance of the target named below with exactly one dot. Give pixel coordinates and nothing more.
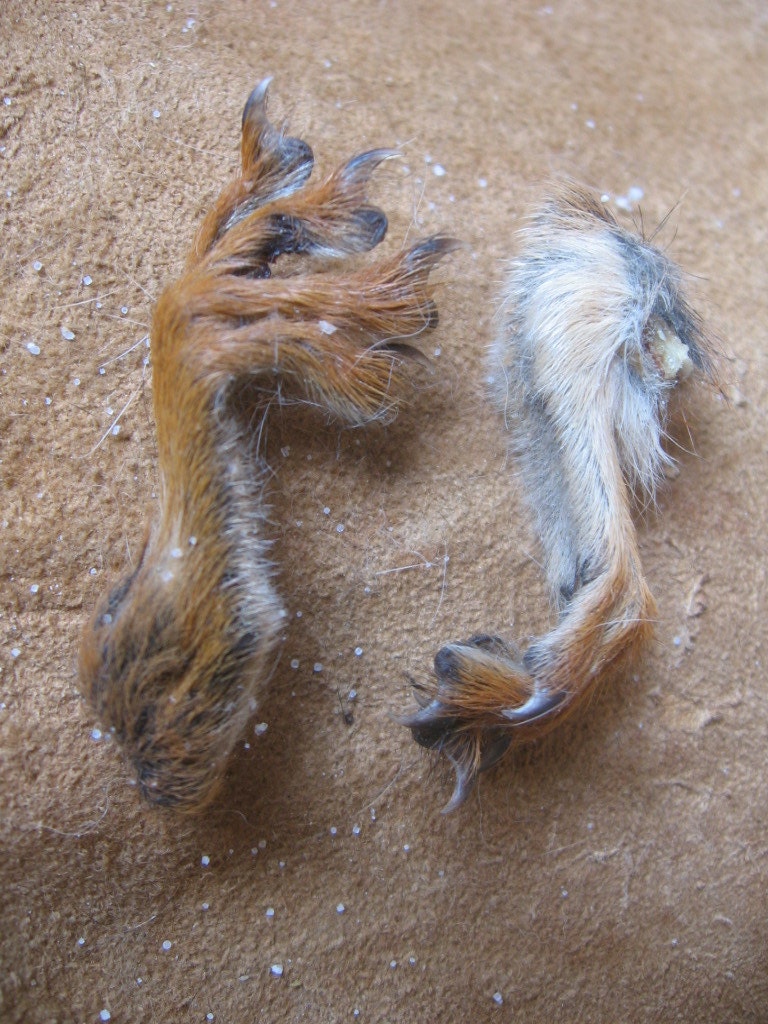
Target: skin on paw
(597, 336)
(178, 651)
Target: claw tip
(257, 97)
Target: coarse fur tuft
(596, 338)
(177, 652)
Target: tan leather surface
(614, 871)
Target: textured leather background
(617, 870)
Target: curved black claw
(461, 753)
(286, 161)
(539, 704)
(256, 104)
(357, 172)
(469, 752)
(430, 251)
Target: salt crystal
(115, 430)
(262, 844)
(590, 123)
(406, 847)
(340, 908)
(7, 100)
(393, 964)
(87, 280)
(438, 170)
(356, 830)
(326, 511)
(340, 528)
(294, 663)
(358, 651)
(76, 382)
(333, 830)
(498, 998)
(325, 327)
(124, 310)
(206, 906)
(37, 266)
(96, 735)
(176, 552)
(155, 114)
(81, 941)
(317, 667)
(15, 652)
(47, 400)
(209, 1016)
(261, 728)
(277, 970)
(167, 944)
(33, 349)
(270, 912)
(482, 182)
(205, 860)
(105, 1015)
(67, 335)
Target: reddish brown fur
(177, 652)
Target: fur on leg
(179, 650)
(596, 339)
